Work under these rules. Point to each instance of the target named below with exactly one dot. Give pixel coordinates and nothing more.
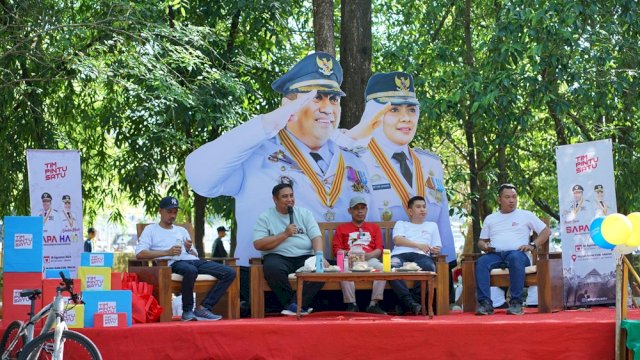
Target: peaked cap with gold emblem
(319, 71)
(394, 87)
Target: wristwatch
(534, 245)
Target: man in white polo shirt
(505, 239)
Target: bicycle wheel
(10, 333)
(76, 346)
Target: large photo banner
(586, 190)
(300, 143)
(55, 191)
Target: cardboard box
(114, 301)
(95, 278)
(15, 307)
(96, 259)
(116, 281)
(49, 289)
(23, 244)
(103, 320)
(55, 273)
(74, 317)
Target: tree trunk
(469, 133)
(355, 58)
(323, 35)
(200, 204)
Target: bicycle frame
(54, 312)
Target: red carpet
(337, 335)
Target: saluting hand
(278, 118)
(370, 120)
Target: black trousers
(276, 271)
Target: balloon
(616, 229)
(634, 239)
(624, 249)
(595, 230)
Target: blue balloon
(595, 230)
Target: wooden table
(426, 278)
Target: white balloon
(624, 249)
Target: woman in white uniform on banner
(290, 144)
(395, 171)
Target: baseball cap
(221, 228)
(356, 200)
(169, 202)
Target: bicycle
(18, 341)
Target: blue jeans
(516, 261)
(189, 269)
(399, 286)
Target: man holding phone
(505, 239)
(165, 240)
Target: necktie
(320, 161)
(401, 158)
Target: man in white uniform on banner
(48, 213)
(291, 144)
(395, 171)
(579, 208)
(68, 219)
(601, 206)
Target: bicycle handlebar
(68, 287)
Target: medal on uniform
(330, 215)
(358, 178)
(327, 198)
(387, 215)
(393, 176)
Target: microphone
(290, 211)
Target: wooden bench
(545, 273)
(259, 285)
(165, 283)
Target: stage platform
(578, 334)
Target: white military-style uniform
(602, 208)
(49, 216)
(578, 212)
(247, 162)
(388, 206)
(67, 219)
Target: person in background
(165, 240)
(218, 250)
(88, 243)
(369, 236)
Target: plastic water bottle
(386, 260)
(340, 260)
(319, 262)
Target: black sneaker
(375, 309)
(485, 308)
(416, 309)
(351, 307)
(515, 308)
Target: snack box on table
(23, 244)
(113, 301)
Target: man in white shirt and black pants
(167, 241)
(505, 239)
